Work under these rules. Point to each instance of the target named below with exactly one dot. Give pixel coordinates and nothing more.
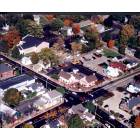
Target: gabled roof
(5, 84)
(64, 74)
(91, 78)
(118, 65)
(30, 41)
(78, 109)
(53, 94)
(5, 68)
(133, 102)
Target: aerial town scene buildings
(69, 70)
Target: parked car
(97, 55)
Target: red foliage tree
(137, 122)
(50, 17)
(111, 43)
(12, 37)
(67, 22)
(76, 28)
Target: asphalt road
(76, 99)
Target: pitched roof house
(49, 99)
(18, 82)
(6, 71)
(31, 44)
(82, 112)
(71, 78)
(119, 66)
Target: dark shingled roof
(5, 84)
(30, 41)
(133, 102)
(4, 68)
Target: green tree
(133, 42)
(56, 24)
(34, 58)
(93, 38)
(75, 122)
(90, 106)
(135, 21)
(27, 125)
(22, 25)
(13, 97)
(126, 33)
(121, 50)
(55, 76)
(4, 46)
(35, 29)
(15, 53)
(28, 26)
(107, 37)
(47, 55)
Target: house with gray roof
(49, 99)
(82, 112)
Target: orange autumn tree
(49, 17)
(76, 28)
(67, 22)
(12, 37)
(137, 122)
(111, 43)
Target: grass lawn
(109, 53)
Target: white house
(49, 99)
(31, 44)
(89, 81)
(37, 19)
(112, 72)
(133, 89)
(37, 87)
(76, 77)
(82, 112)
(6, 27)
(26, 61)
(7, 110)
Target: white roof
(6, 109)
(133, 89)
(113, 72)
(26, 61)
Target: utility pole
(21, 69)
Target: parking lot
(113, 103)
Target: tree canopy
(47, 55)
(75, 122)
(28, 26)
(12, 97)
(126, 32)
(56, 24)
(135, 21)
(12, 37)
(34, 58)
(137, 122)
(90, 106)
(15, 53)
(27, 125)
